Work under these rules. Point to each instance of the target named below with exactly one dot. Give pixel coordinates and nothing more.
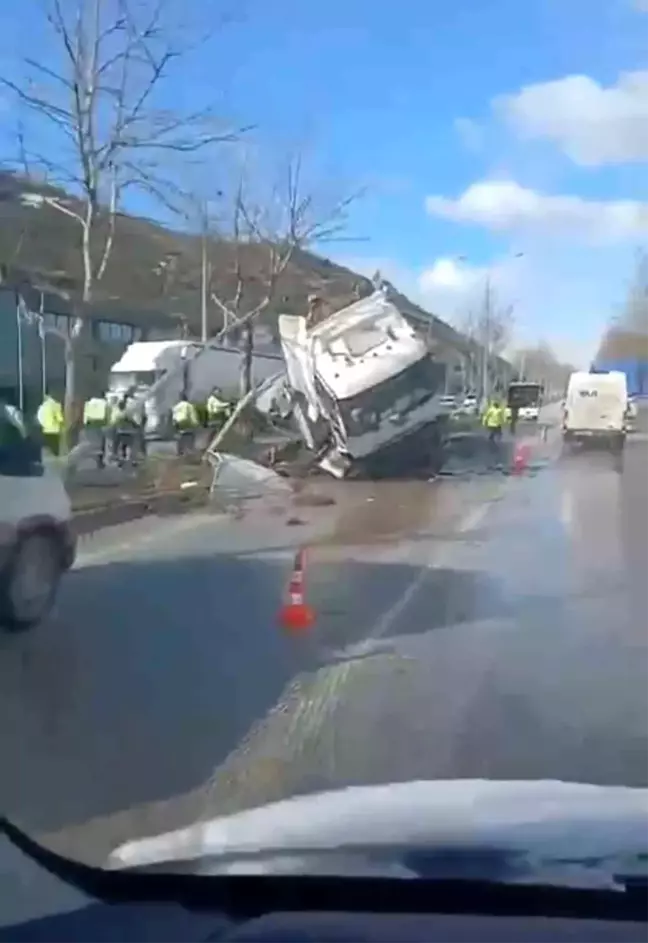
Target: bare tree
(489, 328)
(97, 103)
(262, 236)
(540, 364)
(635, 313)
(627, 335)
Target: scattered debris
(364, 391)
(238, 479)
(313, 500)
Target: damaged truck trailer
(366, 390)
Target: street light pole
(21, 383)
(486, 341)
(488, 326)
(203, 278)
(42, 336)
(523, 365)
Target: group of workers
(122, 424)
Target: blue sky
(405, 97)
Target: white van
(595, 409)
(36, 540)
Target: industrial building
(33, 327)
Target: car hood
(546, 831)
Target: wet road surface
(481, 626)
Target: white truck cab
(595, 409)
(36, 539)
(365, 385)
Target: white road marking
(315, 705)
(474, 518)
(469, 522)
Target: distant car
(529, 413)
(36, 540)
(448, 402)
(470, 406)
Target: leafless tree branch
(99, 97)
(62, 208)
(264, 237)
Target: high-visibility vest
(184, 414)
(117, 416)
(494, 417)
(135, 410)
(216, 406)
(95, 410)
(50, 416)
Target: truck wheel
(29, 584)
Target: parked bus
(526, 396)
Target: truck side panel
(636, 372)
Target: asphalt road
(485, 625)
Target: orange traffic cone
(520, 458)
(295, 614)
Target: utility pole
(204, 275)
(486, 321)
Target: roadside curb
(87, 522)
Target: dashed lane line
(470, 522)
(259, 767)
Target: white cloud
(449, 287)
(505, 206)
(593, 124)
(448, 275)
(641, 5)
(561, 296)
(452, 287)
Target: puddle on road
(374, 512)
(387, 510)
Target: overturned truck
(365, 389)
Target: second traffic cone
(295, 614)
(520, 458)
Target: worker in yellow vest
(185, 423)
(50, 419)
(494, 419)
(119, 430)
(217, 409)
(95, 421)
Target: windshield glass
(397, 396)
(121, 381)
(525, 394)
(221, 587)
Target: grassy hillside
(44, 244)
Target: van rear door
(596, 402)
